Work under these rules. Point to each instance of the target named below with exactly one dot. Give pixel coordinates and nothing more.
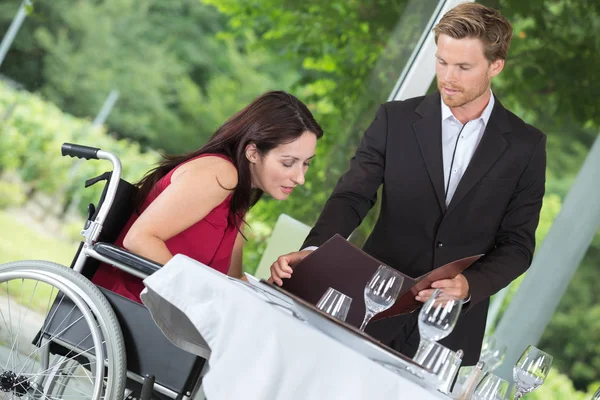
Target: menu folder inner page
(341, 265)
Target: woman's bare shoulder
(209, 168)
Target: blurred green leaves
(184, 67)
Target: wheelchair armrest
(122, 256)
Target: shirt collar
(485, 115)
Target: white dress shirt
(457, 151)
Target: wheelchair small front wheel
(54, 327)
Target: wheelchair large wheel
(54, 327)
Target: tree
(172, 72)
(348, 54)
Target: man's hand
(283, 267)
(457, 287)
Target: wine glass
(335, 303)
(437, 318)
(531, 370)
(436, 359)
(596, 395)
(381, 292)
(491, 387)
(492, 353)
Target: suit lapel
(428, 131)
(489, 150)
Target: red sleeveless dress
(209, 241)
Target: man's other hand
(457, 287)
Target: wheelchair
(62, 337)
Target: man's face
(463, 72)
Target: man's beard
(462, 98)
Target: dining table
(261, 345)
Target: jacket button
(439, 244)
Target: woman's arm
(196, 189)
(235, 268)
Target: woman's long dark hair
(272, 119)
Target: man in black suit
(461, 176)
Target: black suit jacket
(495, 209)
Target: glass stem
(422, 344)
(518, 394)
(368, 316)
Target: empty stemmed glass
(492, 353)
(491, 387)
(381, 292)
(437, 318)
(531, 370)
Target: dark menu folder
(343, 266)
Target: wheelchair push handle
(92, 232)
(79, 151)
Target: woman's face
(280, 170)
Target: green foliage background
(182, 68)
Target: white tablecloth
(256, 350)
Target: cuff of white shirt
(468, 299)
(311, 248)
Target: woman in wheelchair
(195, 204)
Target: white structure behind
(419, 72)
(13, 29)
